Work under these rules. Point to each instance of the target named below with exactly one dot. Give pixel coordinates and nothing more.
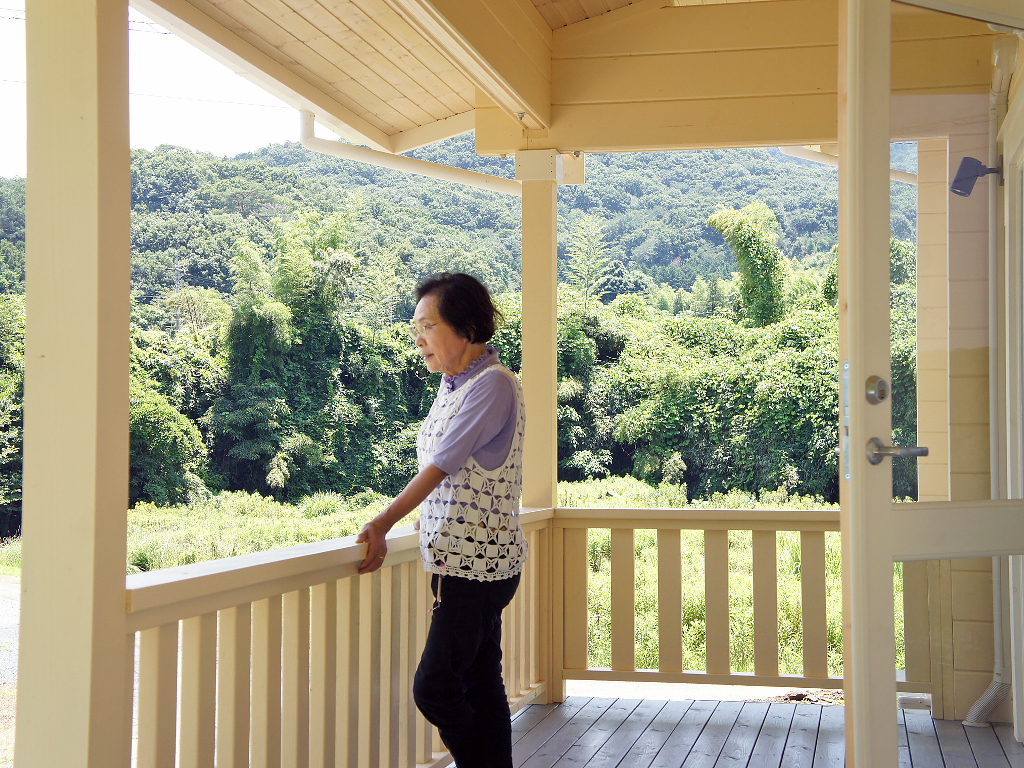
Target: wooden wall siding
(360, 52)
(729, 74)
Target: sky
(179, 95)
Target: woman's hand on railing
(373, 535)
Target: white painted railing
(571, 527)
(289, 658)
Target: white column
(537, 169)
(72, 684)
(864, 332)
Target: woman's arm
(373, 533)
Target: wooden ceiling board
(394, 52)
(409, 105)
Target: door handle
(877, 450)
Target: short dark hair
(464, 303)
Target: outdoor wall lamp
(969, 172)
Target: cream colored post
(420, 604)
(766, 603)
(369, 670)
(265, 732)
(813, 603)
(346, 727)
(864, 331)
(295, 676)
(670, 601)
(574, 603)
(716, 602)
(540, 311)
(233, 672)
(73, 638)
(158, 696)
(323, 673)
(198, 690)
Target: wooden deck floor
(644, 733)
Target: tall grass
(631, 493)
(237, 523)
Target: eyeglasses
(419, 329)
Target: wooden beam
(226, 46)
(503, 46)
(431, 132)
(921, 531)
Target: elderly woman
(470, 452)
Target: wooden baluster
(548, 629)
(532, 608)
(323, 673)
(131, 695)
(525, 593)
(388, 670)
(574, 564)
(716, 602)
(198, 690)
(670, 601)
(407, 658)
(295, 683)
(233, 686)
(158, 696)
(766, 604)
(265, 733)
(623, 600)
(812, 603)
(369, 670)
(422, 600)
(346, 728)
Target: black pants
(458, 685)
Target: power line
(187, 98)
(151, 27)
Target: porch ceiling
(567, 74)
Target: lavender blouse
(484, 426)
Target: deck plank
(740, 743)
(903, 746)
(588, 744)
(988, 753)
(1012, 748)
(771, 742)
(525, 744)
(650, 742)
(679, 743)
(551, 749)
(956, 750)
(526, 719)
(924, 746)
(611, 753)
(708, 747)
(830, 750)
(803, 735)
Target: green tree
(752, 234)
(588, 261)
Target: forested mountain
(697, 329)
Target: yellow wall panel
(969, 487)
(970, 393)
(972, 643)
(969, 589)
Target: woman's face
(440, 346)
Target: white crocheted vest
(469, 524)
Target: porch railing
(289, 658)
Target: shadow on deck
(646, 733)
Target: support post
(72, 668)
(540, 326)
(868, 631)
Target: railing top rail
(733, 519)
(168, 594)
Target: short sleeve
(484, 424)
